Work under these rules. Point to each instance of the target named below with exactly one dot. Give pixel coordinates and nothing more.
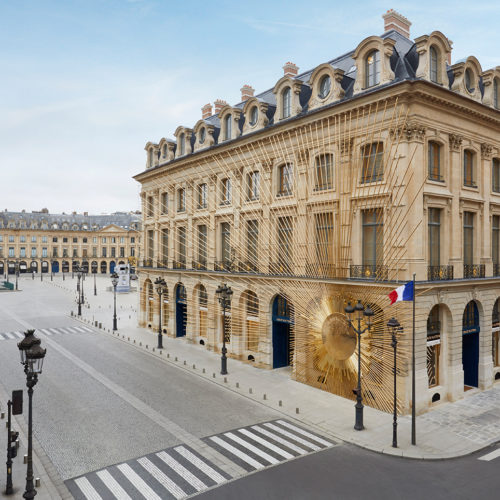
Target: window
(495, 93)
(122, 239)
(44, 239)
(182, 144)
(202, 245)
(132, 252)
(164, 245)
(469, 173)
(434, 224)
(202, 196)
(11, 251)
(11, 238)
(94, 239)
(181, 248)
(373, 162)
(181, 200)
(468, 238)
(227, 127)
(33, 239)
(254, 115)
(372, 69)
(149, 206)
(22, 239)
(94, 252)
(44, 252)
(495, 171)
(164, 203)
(103, 240)
(435, 161)
(433, 64)
(252, 243)
(132, 239)
(164, 151)
(253, 182)
(433, 346)
(75, 240)
(151, 244)
(113, 239)
(373, 238)
(286, 101)
(323, 172)
(252, 321)
(150, 157)
(1, 237)
(33, 251)
(225, 231)
(324, 86)
(469, 80)
(54, 239)
(495, 232)
(23, 252)
(324, 238)
(285, 236)
(285, 179)
(113, 251)
(203, 135)
(104, 251)
(225, 191)
(54, 252)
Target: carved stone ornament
(412, 131)
(455, 142)
(474, 293)
(486, 150)
(346, 146)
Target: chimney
(395, 21)
(290, 69)
(246, 92)
(206, 111)
(219, 104)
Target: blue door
(282, 322)
(55, 267)
(112, 267)
(470, 345)
(180, 311)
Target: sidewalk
(448, 430)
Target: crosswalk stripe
(292, 436)
(267, 444)
(238, 453)
(304, 433)
(146, 491)
(252, 448)
(54, 330)
(113, 486)
(490, 456)
(204, 467)
(86, 328)
(9, 335)
(79, 329)
(87, 489)
(162, 478)
(279, 439)
(18, 335)
(45, 331)
(182, 471)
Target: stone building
(355, 175)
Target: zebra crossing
(180, 472)
(47, 332)
(492, 455)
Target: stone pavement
(448, 430)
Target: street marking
(182, 471)
(304, 433)
(136, 480)
(162, 478)
(280, 440)
(238, 453)
(204, 467)
(9, 335)
(113, 486)
(45, 331)
(292, 436)
(490, 456)
(87, 489)
(252, 448)
(267, 444)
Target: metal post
(395, 416)
(160, 336)
(95, 286)
(79, 297)
(81, 290)
(30, 492)
(8, 487)
(223, 360)
(114, 315)
(358, 425)
(17, 274)
(32, 274)
(413, 396)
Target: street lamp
(32, 356)
(79, 276)
(41, 270)
(224, 294)
(161, 287)
(360, 311)
(393, 324)
(114, 281)
(52, 270)
(94, 270)
(17, 271)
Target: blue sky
(86, 83)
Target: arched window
(433, 345)
(164, 151)
(254, 114)
(495, 93)
(323, 172)
(469, 173)
(435, 161)
(227, 127)
(469, 80)
(325, 86)
(182, 144)
(286, 101)
(150, 157)
(202, 310)
(372, 68)
(373, 162)
(285, 179)
(433, 60)
(203, 134)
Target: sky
(84, 84)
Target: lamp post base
(358, 425)
(223, 362)
(160, 341)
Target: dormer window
(254, 114)
(203, 135)
(372, 69)
(164, 151)
(182, 144)
(433, 61)
(286, 102)
(325, 87)
(469, 80)
(495, 93)
(150, 159)
(227, 127)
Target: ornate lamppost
(17, 271)
(32, 356)
(79, 276)
(394, 325)
(161, 286)
(114, 281)
(52, 270)
(224, 294)
(94, 271)
(360, 311)
(41, 270)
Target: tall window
(285, 241)
(285, 179)
(44, 252)
(468, 238)
(495, 323)
(324, 238)
(23, 252)
(372, 69)
(253, 182)
(113, 252)
(495, 93)
(495, 233)
(33, 251)
(286, 101)
(252, 242)
(373, 162)
(225, 191)
(182, 144)
(323, 172)
(202, 309)
(202, 245)
(151, 244)
(227, 127)
(433, 346)
(435, 161)
(164, 245)
(252, 321)
(202, 196)
(225, 231)
(434, 236)
(495, 175)
(181, 200)
(181, 245)
(469, 173)
(433, 60)
(164, 203)
(373, 237)
(150, 206)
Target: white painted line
(267, 444)
(71, 329)
(292, 436)
(162, 478)
(87, 489)
(280, 440)
(9, 335)
(113, 486)
(64, 330)
(238, 453)
(54, 330)
(182, 471)
(204, 467)
(490, 456)
(86, 328)
(45, 331)
(252, 448)
(19, 335)
(305, 433)
(145, 490)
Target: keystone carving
(409, 132)
(455, 142)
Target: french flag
(404, 292)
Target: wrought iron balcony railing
(316, 270)
(199, 264)
(179, 264)
(279, 268)
(147, 263)
(437, 273)
(369, 272)
(224, 265)
(474, 271)
(496, 269)
(248, 267)
(162, 264)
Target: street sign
(17, 402)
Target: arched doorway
(112, 265)
(11, 267)
(65, 266)
(104, 267)
(282, 323)
(34, 267)
(45, 266)
(23, 267)
(180, 310)
(74, 265)
(85, 266)
(94, 266)
(495, 334)
(2, 267)
(470, 344)
(55, 266)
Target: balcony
(247, 267)
(439, 273)
(369, 272)
(316, 270)
(279, 268)
(223, 265)
(496, 269)
(200, 265)
(162, 264)
(472, 271)
(147, 263)
(179, 264)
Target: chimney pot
(290, 69)
(219, 104)
(395, 21)
(246, 92)
(206, 111)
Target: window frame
(286, 102)
(323, 171)
(433, 171)
(372, 161)
(433, 64)
(372, 69)
(469, 168)
(285, 179)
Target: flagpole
(413, 402)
